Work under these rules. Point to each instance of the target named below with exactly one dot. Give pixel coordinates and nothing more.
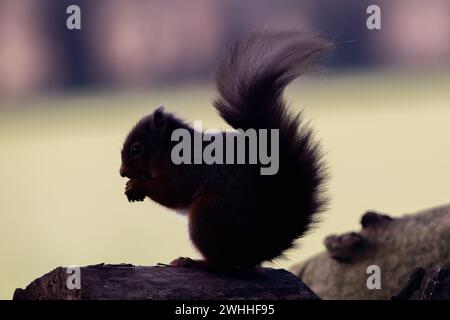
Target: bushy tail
(251, 81)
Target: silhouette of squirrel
(238, 217)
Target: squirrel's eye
(136, 149)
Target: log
(397, 245)
(125, 281)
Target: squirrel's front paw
(134, 191)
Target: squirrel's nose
(122, 171)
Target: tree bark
(422, 285)
(126, 281)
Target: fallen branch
(396, 245)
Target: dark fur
(238, 217)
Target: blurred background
(68, 98)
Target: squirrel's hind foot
(185, 262)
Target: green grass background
(387, 138)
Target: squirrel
(236, 216)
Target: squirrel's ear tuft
(159, 118)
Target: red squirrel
(238, 217)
